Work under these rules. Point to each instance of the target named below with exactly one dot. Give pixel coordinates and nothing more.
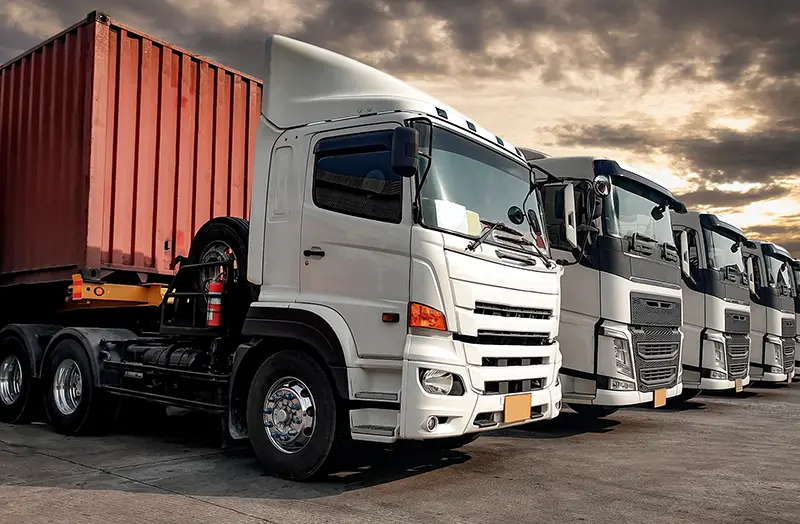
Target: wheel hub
(10, 379)
(289, 412)
(217, 251)
(67, 387)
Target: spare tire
(218, 240)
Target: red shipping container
(115, 147)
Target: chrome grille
(506, 338)
(657, 350)
(737, 321)
(787, 328)
(649, 310)
(738, 353)
(657, 357)
(513, 386)
(658, 377)
(500, 310)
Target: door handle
(314, 252)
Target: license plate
(517, 408)
(739, 385)
(789, 380)
(659, 398)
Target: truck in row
(328, 256)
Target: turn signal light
(426, 317)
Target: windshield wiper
(518, 238)
(493, 226)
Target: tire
(19, 394)
(587, 411)
(311, 459)
(89, 405)
(232, 233)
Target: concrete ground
(719, 459)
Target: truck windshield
(778, 276)
(629, 212)
(796, 274)
(468, 182)
(720, 256)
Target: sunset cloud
(704, 94)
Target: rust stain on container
(115, 147)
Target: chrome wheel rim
(289, 414)
(68, 387)
(10, 380)
(217, 251)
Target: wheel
(292, 416)
(220, 240)
(18, 392)
(588, 411)
(72, 401)
(451, 442)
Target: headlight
(778, 353)
(436, 381)
(719, 354)
(622, 357)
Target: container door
(356, 235)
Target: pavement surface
(717, 459)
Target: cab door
(356, 237)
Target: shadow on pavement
(566, 424)
(181, 454)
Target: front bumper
(607, 397)
(774, 377)
(458, 414)
(715, 384)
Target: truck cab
(610, 227)
(716, 327)
(389, 285)
(772, 312)
(795, 265)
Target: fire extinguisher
(214, 308)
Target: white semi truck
(610, 226)
(387, 286)
(716, 302)
(795, 265)
(772, 324)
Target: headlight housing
(622, 352)
(440, 382)
(719, 354)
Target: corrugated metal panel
(120, 169)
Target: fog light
(719, 375)
(431, 424)
(436, 381)
(776, 369)
(621, 385)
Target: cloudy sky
(703, 94)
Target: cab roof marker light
(441, 112)
(471, 126)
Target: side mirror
(684, 254)
(602, 186)
(570, 226)
(751, 280)
(405, 151)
